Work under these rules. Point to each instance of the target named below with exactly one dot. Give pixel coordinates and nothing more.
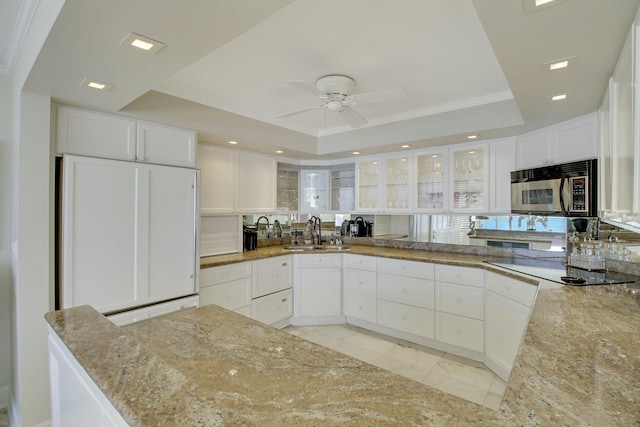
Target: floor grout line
(435, 376)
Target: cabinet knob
(284, 299)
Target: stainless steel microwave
(568, 189)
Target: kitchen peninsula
(579, 364)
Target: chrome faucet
(258, 223)
(317, 228)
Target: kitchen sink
(307, 248)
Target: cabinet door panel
(503, 161)
(414, 320)
(95, 134)
(271, 275)
(164, 145)
(171, 238)
(460, 331)
(273, 308)
(101, 222)
(407, 290)
(360, 295)
(217, 179)
(256, 183)
(319, 292)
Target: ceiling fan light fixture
(334, 105)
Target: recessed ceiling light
(356, 152)
(435, 156)
(559, 97)
(405, 146)
(279, 151)
(531, 6)
(97, 84)
(559, 64)
(143, 43)
(233, 142)
(472, 136)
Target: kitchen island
(579, 365)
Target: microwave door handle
(562, 206)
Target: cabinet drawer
(271, 275)
(361, 305)
(460, 331)
(230, 295)
(148, 312)
(461, 275)
(414, 320)
(361, 262)
(515, 290)
(320, 260)
(273, 308)
(361, 281)
(407, 290)
(461, 300)
(224, 273)
(422, 270)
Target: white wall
(5, 240)
(31, 231)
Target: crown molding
(23, 23)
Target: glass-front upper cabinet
(343, 183)
(287, 190)
(368, 185)
(315, 190)
(469, 168)
(397, 186)
(432, 181)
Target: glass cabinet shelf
(343, 184)
(287, 189)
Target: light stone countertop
(579, 365)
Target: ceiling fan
(335, 93)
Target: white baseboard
(4, 397)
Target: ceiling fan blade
(352, 117)
(307, 87)
(388, 95)
(301, 111)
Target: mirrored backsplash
(502, 234)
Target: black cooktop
(557, 271)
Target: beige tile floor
(452, 374)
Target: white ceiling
(467, 66)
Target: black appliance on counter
(249, 237)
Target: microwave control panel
(579, 187)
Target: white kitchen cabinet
(368, 182)
(88, 133)
(453, 180)
(565, 142)
(136, 315)
(128, 233)
(398, 184)
(94, 134)
(432, 172)
(317, 289)
(502, 160)
(343, 181)
(255, 183)
(469, 178)
(360, 287)
(273, 309)
(165, 145)
(360, 294)
(217, 179)
(508, 304)
(314, 186)
(75, 398)
(460, 307)
(229, 286)
(287, 191)
(385, 184)
(406, 297)
(272, 275)
(236, 182)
